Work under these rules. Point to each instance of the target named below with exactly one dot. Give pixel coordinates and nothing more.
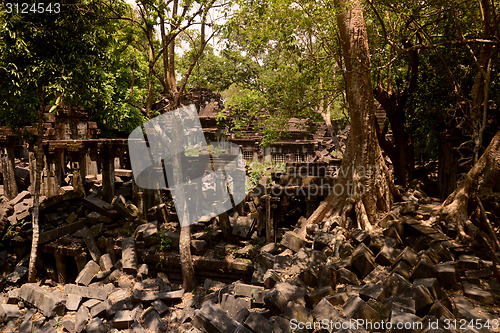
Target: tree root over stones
(479, 181)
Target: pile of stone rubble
(405, 271)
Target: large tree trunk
(480, 180)
(364, 178)
(36, 195)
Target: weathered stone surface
(18, 274)
(401, 317)
(129, 257)
(99, 293)
(88, 273)
(409, 255)
(293, 241)
(447, 275)
(314, 297)
(246, 290)
(9, 312)
(276, 301)
(325, 310)
(258, 323)
(362, 259)
(97, 325)
(424, 269)
(396, 284)
(152, 321)
(337, 298)
(423, 299)
(271, 248)
(20, 197)
(99, 308)
(105, 262)
(233, 305)
(270, 278)
(386, 256)
(356, 308)
(81, 319)
(73, 301)
(212, 319)
(123, 319)
(345, 276)
(198, 246)
(478, 294)
(372, 290)
(44, 300)
(298, 312)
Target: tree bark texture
(480, 180)
(364, 176)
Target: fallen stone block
(82, 318)
(275, 301)
(325, 310)
(440, 311)
(478, 294)
(423, 299)
(337, 298)
(246, 290)
(401, 304)
(315, 296)
(233, 304)
(88, 273)
(20, 197)
(356, 308)
(97, 325)
(44, 300)
(386, 256)
(17, 275)
(152, 322)
(13, 296)
(123, 319)
(258, 323)
(9, 312)
(447, 275)
(373, 291)
(129, 257)
(403, 268)
(293, 241)
(270, 278)
(73, 302)
(407, 319)
(211, 318)
(99, 293)
(409, 255)
(160, 307)
(362, 259)
(468, 263)
(105, 262)
(424, 269)
(298, 312)
(397, 284)
(270, 248)
(345, 276)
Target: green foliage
(291, 65)
(257, 170)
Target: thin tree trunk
(188, 277)
(36, 194)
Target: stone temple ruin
(109, 261)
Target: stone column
(108, 172)
(8, 169)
